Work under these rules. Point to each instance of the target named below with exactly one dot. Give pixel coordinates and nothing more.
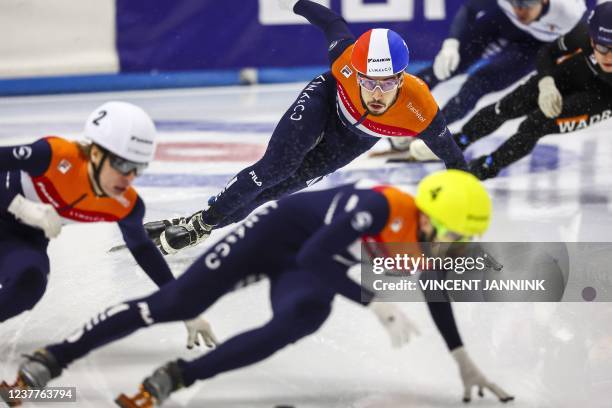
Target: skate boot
(462, 140)
(484, 167)
(177, 237)
(154, 389)
(34, 373)
(155, 228)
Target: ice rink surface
(546, 354)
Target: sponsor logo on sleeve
(22, 152)
(361, 221)
(255, 178)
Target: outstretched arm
(441, 312)
(336, 31)
(439, 140)
(153, 263)
(142, 248)
(550, 99)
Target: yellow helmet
(456, 200)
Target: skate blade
(117, 248)
(141, 400)
(5, 389)
(411, 159)
(389, 154)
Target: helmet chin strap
(96, 175)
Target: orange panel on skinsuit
(402, 224)
(411, 113)
(401, 227)
(66, 186)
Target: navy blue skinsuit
(24, 264)
(481, 25)
(310, 141)
(295, 243)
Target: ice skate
(177, 237)
(141, 400)
(35, 372)
(154, 389)
(5, 392)
(484, 167)
(155, 228)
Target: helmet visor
(602, 49)
(445, 235)
(126, 167)
(524, 3)
(385, 85)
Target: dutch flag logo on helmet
(380, 52)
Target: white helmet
(123, 129)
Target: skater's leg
(300, 306)
(23, 276)
(296, 134)
(209, 278)
(580, 110)
(521, 101)
(335, 150)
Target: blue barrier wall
(187, 43)
(212, 34)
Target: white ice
(547, 355)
